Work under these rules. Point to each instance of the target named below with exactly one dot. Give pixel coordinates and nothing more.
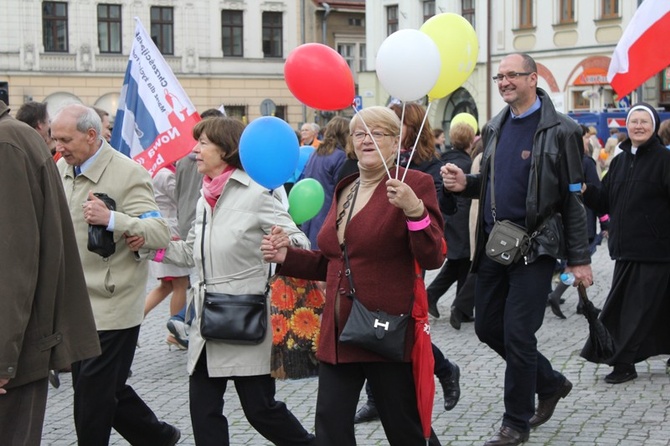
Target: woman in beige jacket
(232, 216)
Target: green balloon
(305, 200)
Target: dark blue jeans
(509, 309)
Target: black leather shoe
(454, 318)
(451, 388)
(366, 413)
(54, 378)
(506, 436)
(432, 307)
(554, 304)
(457, 317)
(174, 439)
(621, 374)
(545, 408)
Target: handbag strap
(347, 266)
(493, 187)
(203, 282)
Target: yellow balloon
(457, 41)
(465, 118)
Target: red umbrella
(423, 362)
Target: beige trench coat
(234, 265)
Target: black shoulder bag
(232, 318)
(376, 331)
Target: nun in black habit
(636, 194)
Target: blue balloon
(269, 151)
(305, 153)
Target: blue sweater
(512, 167)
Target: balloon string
(402, 120)
(425, 116)
(367, 129)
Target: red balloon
(319, 77)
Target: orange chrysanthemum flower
(280, 327)
(283, 298)
(314, 299)
(305, 323)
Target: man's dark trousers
(103, 400)
(510, 302)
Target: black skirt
(636, 312)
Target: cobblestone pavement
(595, 413)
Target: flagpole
(639, 91)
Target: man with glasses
(536, 154)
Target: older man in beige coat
(46, 320)
(116, 284)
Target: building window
(525, 13)
(391, 19)
(280, 112)
(468, 11)
(237, 112)
(610, 9)
(231, 32)
(428, 10)
(162, 26)
(567, 13)
(580, 101)
(362, 61)
(272, 34)
(54, 27)
(109, 28)
(355, 22)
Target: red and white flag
(641, 53)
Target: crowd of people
(395, 191)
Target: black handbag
(376, 331)
(507, 242)
(100, 240)
(232, 318)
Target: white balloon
(408, 64)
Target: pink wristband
(605, 217)
(418, 225)
(159, 255)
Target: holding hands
(274, 245)
(453, 177)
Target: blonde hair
(461, 136)
(374, 117)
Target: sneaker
(179, 330)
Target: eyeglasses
(376, 135)
(640, 122)
(509, 76)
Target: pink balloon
(319, 77)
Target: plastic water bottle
(568, 278)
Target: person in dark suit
(536, 179)
(46, 320)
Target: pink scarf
(212, 187)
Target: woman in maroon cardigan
(386, 224)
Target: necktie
(77, 171)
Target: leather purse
(100, 240)
(232, 318)
(376, 331)
(507, 242)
